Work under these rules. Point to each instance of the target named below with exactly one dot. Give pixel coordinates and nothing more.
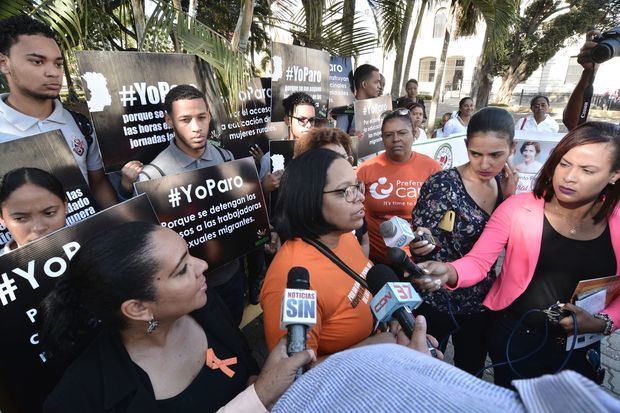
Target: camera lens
(602, 53)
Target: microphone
(394, 300)
(402, 261)
(396, 232)
(298, 313)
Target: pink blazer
(517, 224)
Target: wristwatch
(609, 323)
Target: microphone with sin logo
(298, 314)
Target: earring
(612, 183)
(152, 325)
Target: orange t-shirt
(392, 189)
(344, 317)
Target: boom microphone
(298, 313)
(394, 300)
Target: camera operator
(574, 107)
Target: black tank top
(562, 263)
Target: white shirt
(454, 127)
(15, 125)
(529, 123)
(422, 136)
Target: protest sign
(252, 122)
(27, 275)
(368, 122)
(281, 153)
(219, 210)
(49, 151)
(449, 152)
(125, 92)
(531, 151)
(299, 69)
(340, 94)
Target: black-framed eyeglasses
(303, 121)
(350, 192)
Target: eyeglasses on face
(303, 121)
(350, 192)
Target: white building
(557, 77)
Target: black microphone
(298, 311)
(402, 261)
(393, 300)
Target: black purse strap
(324, 249)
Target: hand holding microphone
(298, 313)
(397, 233)
(394, 300)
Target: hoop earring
(152, 325)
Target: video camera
(608, 46)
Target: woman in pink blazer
(566, 231)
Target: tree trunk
(414, 39)
(513, 76)
(72, 95)
(137, 7)
(400, 50)
(175, 41)
(313, 11)
(193, 8)
(484, 78)
(432, 115)
(242, 31)
(348, 15)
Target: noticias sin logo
(382, 193)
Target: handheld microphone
(396, 232)
(402, 261)
(298, 313)
(394, 300)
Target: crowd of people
(142, 325)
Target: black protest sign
(298, 69)
(27, 275)
(125, 93)
(340, 95)
(280, 154)
(251, 124)
(219, 210)
(368, 122)
(49, 151)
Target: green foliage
(390, 15)
(546, 25)
(498, 15)
(319, 25)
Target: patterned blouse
(445, 191)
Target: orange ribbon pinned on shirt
(214, 363)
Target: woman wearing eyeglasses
(393, 179)
(319, 206)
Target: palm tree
(394, 19)
(464, 16)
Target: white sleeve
(246, 402)
(93, 156)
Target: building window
(427, 69)
(454, 73)
(573, 72)
(439, 25)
